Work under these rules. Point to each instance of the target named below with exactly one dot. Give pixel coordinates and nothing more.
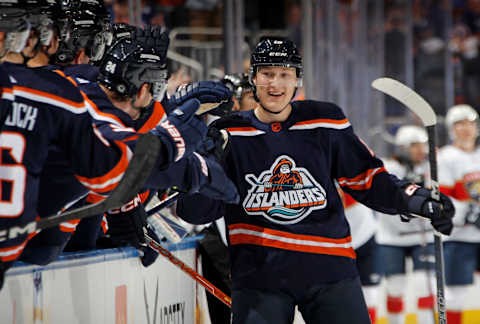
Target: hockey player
(84, 33)
(399, 240)
(49, 111)
(459, 176)
(242, 91)
(293, 247)
(121, 97)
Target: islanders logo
(285, 194)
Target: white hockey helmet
(458, 113)
(406, 135)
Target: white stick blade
(408, 97)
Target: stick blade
(408, 97)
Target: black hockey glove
(154, 37)
(126, 224)
(215, 98)
(208, 178)
(420, 202)
(182, 132)
(215, 143)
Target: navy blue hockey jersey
(6, 95)
(48, 112)
(289, 231)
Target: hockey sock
(454, 317)
(425, 313)
(395, 310)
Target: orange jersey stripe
(328, 121)
(108, 181)
(157, 115)
(11, 253)
(242, 129)
(101, 113)
(361, 182)
(50, 96)
(247, 239)
(347, 239)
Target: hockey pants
(334, 303)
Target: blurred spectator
(430, 68)
(293, 19)
(204, 13)
(465, 46)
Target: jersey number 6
(12, 176)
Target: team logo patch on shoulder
(284, 194)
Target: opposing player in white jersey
(363, 226)
(459, 175)
(399, 240)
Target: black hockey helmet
(238, 83)
(85, 24)
(276, 51)
(130, 63)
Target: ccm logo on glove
(177, 138)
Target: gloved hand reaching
(215, 98)
(208, 178)
(440, 213)
(182, 132)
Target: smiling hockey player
(293, 247)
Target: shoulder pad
(48, 81)
(318, 109)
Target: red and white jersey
(459, 177)
(391, 230)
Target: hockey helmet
(129, 64)
(237, 83)
(44, 16)
(276, 51)
(14, 22)
(458, 113)
(85, 24)
(409, 134)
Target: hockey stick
(422, 109)
(164, 203)
(192, 273)
(139, 168)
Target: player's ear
(144, 89)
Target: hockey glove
(215, 143)
(209, 179)
(214, 96)
(420, 202)
(126, 224)
(154, 37)
(182, 132)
